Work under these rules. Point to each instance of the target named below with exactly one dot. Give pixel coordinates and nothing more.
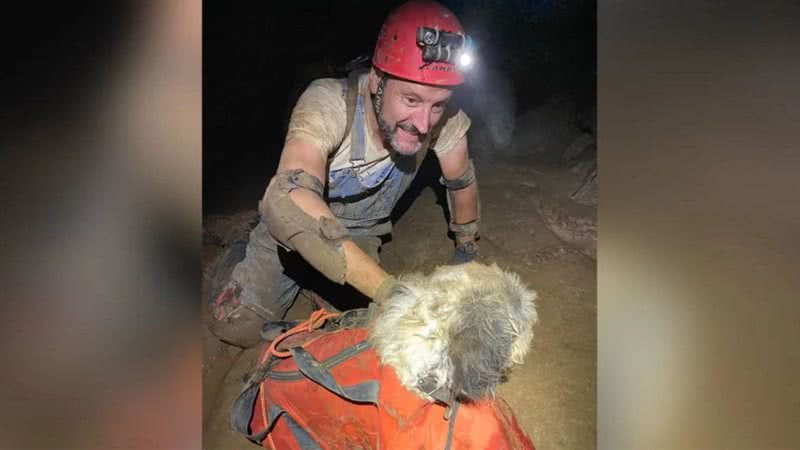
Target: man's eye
(411, 100)
(438, 108)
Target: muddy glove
(464, 253)
(385, 289)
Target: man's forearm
(360, 271)
(465, 208)
(363, 273)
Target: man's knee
(261, 241)
(262, 274)
(242, 308)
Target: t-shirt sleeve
(320, 115)
(454, 128)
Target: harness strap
(308, 367)
(352, 94)
(242, 412)
(355, 117)
(451, 426)
(365, 392)
(241, 421)
(303, 437)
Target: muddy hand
(464, 253)
(385, 289)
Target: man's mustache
(409, 128)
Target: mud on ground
(553, 393)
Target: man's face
(409, 111)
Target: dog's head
(456, 331)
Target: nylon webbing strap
(358, 143)
(298, 178)
(352, 94)
(358, 140)
(461, 182)
(366, 392)
(301, 435)
(242, 412)
(465, 229)
(451, 426)
(355, 117)
(242, 409)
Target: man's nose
(422, 120)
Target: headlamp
(465, 60)
(443, 46)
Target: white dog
(455, 333)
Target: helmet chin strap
(377, 99)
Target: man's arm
(463, 201)
(362, 272)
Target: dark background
(258, 58)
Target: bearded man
(352, 148)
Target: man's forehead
(424, 91)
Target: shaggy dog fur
(457, 331)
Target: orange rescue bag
(325, 389)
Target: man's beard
(389, 135)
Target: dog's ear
(480, 348)
(492, 330)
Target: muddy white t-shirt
(320, 117)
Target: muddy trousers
(266, 286)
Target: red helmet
(399, 54)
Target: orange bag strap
(316, 320)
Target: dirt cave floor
(553, 394)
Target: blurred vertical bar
(699, 217)
(100, 340)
